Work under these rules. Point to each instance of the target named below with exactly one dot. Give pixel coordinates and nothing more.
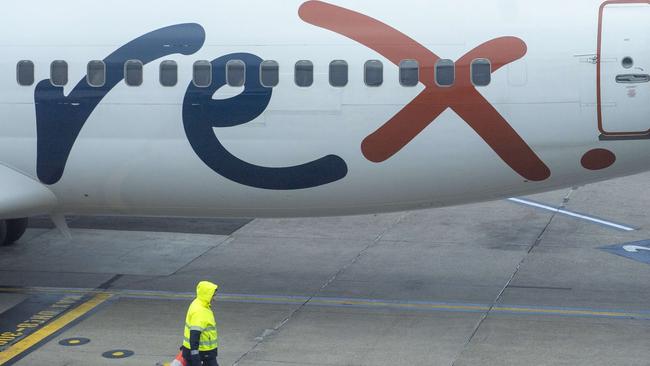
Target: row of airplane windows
(409, 73)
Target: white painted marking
(572, 214)
(635, 248)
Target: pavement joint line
(516, 270)
(329, 281)
(560, 210)
(50, 329)
(225, 241)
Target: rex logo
(61, 118)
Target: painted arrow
(635, 248)
(637, 251)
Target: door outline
(606, 135)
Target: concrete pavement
(488, 284)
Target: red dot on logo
(598, 159)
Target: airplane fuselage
(539, 96)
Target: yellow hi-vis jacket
(200, 317)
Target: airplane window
(409, 73)
(25, 73)
(133, 73)
(269, 74)
(59, 73)
(202, 74)
(338, 73)
(374, 73)
(445, 73)
(168, 73)
(481, 72)
(236, 73)
(304, 73)
(96, 73)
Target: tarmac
(561, 278)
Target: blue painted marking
(59, 119)
(638, 251)
(201, 114)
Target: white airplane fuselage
(563, 105)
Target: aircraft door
(623, 76)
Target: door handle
(632, 78)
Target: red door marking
(462, 98)
(599, 79)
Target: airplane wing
(22, 196)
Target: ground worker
(201, 338)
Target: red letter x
(462, 97)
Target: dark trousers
(208, 358)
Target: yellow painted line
(571, 312)
(51, 328)
(400, 305)
(279, 300)
(349, 302)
